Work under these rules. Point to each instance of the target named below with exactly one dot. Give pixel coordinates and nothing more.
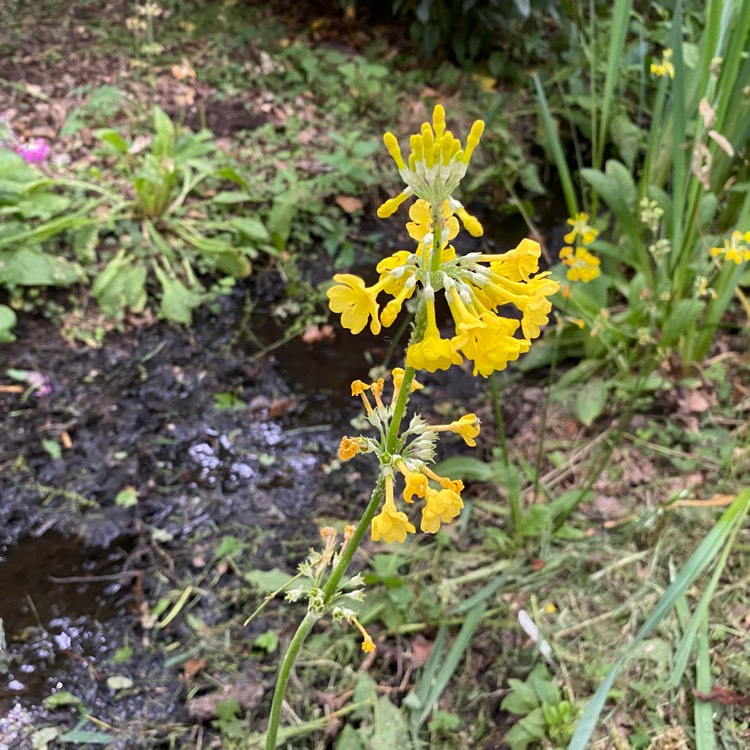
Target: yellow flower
(467, 427)
(416, 484)
(664, 68)
(581, 229)
(436, 164)
(348, 448)
(367, 642)
(421, 221)
(432, 352)
(582, 266)
(733, 249)
(440, 507)
(355, 302)
(517, 264)
(391, 524)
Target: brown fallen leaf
(717, 501)
(191, 668)
(349, 203)
(723, 696)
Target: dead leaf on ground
(723, 696)
(203, 708)
(349, 203)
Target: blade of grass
(433, 682)
(701, 611)
(617, 32)
(557, 150)
(698, 562)
(703, 712)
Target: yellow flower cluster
(436, 165)
(735, 248)
(582, 265)
(415, 452)
(475, 286)
(665, 67)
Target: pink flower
(34, 153)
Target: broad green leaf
(8, 321)
(121, 285)
(521, 699)
(280, 219)
(62, 698)
(251, 228)
(707, 211)
(230, 197)
(119, 682)
(177, 300)
(82, 736)
(114, 139)
(591, 400)
(682, 316)
(535, 520)
(390, 729)
(42, 737)
(466, 467)
(28, 265)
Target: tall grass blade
(438, 672)
(698, 562)
(703, 712)
(557, 150)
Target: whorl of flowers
(475, 286)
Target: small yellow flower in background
(582, 265)
(581, 229)
(665, 67)
(735, 248)
(183, 70)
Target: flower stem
(283, 678)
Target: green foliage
(671, 201)
(548, 720)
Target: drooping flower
(348, 448)
(433, 352)
(582, 265)
(581, 229)
(467, 427)
(355, 302)
(436, 164)
(440, 507)
(367, 643)
(34, 153)
(665, 67)
(391, 524)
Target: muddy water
(55, 593)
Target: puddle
(58, 596)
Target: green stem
(283, 678)
(331, 585)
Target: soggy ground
(208, 442)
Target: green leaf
(349, 739)
(535, 520)
(62, 698)
(628, 138)
(177, 300)
(707, 211)
(119, 682)
(52, 448)
(390, 729)
(466, 467)
(42, 737)
(230, 197)
(682, 316)
(251, 229)
(28, 265)
(521, 699)
(283, 211)
(531, 728)
(114, 139)
(591, 400)
(8, 321)
(81, 736)
(120, 285)
(127, 498)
